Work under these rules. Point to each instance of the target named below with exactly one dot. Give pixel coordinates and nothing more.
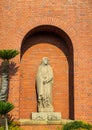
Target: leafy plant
(5, 107)
(14, 126)
(6, 55)
(11, 128)
(77, 125)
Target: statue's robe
(44, 81)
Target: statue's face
(45, 61)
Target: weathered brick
(74, 18)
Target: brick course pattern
(41, 127)
(72, 68)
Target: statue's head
(45, 61)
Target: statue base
(51, 116)
(50, 109)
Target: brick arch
(48, 39)
(51, 29)
(24, 29)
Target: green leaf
(76, 125)
(8, 54)
(5, 107)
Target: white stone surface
(44, 83)
(51, 116)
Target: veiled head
(45, 61)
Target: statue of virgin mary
(44, 82)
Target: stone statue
(44, 82)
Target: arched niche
(50, 41)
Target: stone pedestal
(44, 110)
(51, 116)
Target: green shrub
(77, 125)
(5, 107)
(2, 128)
(12, 126)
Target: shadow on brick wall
(13, 68)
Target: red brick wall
(74, 17)
(41, 127)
